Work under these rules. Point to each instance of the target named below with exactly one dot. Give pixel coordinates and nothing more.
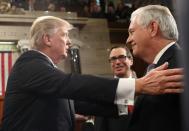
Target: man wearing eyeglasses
(121, 60)
(38, 93)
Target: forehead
(63, 30)
(117, 52)
(133, 24)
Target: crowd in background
(113, 11)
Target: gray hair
(46, 25)
(161, 15)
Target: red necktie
(130, 108)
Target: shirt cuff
(125, 94)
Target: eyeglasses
(120, 58)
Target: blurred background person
(121, 61)
(110, 15)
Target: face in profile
(120, 63)
(139, 37)
(61, 42)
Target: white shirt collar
(158, 56)
(46, 56)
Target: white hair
(161, 15)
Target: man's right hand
(160, 81)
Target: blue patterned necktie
(150, 67)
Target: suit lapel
(165, 57)
(72, 111)
(168, 54)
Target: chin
(64, 55)
(119, 74)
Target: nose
(117, 61)
(68, 43)
(128, 41)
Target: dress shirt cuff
(125, 94)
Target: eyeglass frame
(120, 58)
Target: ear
(46, 40)
(153, 26)
(131, 62)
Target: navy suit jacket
(37, 95)
(111, 123)
(162, 112)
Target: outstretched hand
(160, 81)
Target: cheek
(128, 63)
(126, 66)
(140, 41)
(112, 67)
(64, 49)
(63, 44)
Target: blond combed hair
(46, 25)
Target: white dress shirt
(158, 56)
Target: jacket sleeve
(41, 78)
(102, 109)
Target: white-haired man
(153, 36)
(37, 95)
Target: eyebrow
(115, 56)
(130, 29)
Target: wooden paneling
(118, 32)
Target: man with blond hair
(38, 93)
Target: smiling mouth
(133, 45)
(119, 68)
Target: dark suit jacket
(162, 112)
(111, 123)
(37, 95)
(104, 121)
